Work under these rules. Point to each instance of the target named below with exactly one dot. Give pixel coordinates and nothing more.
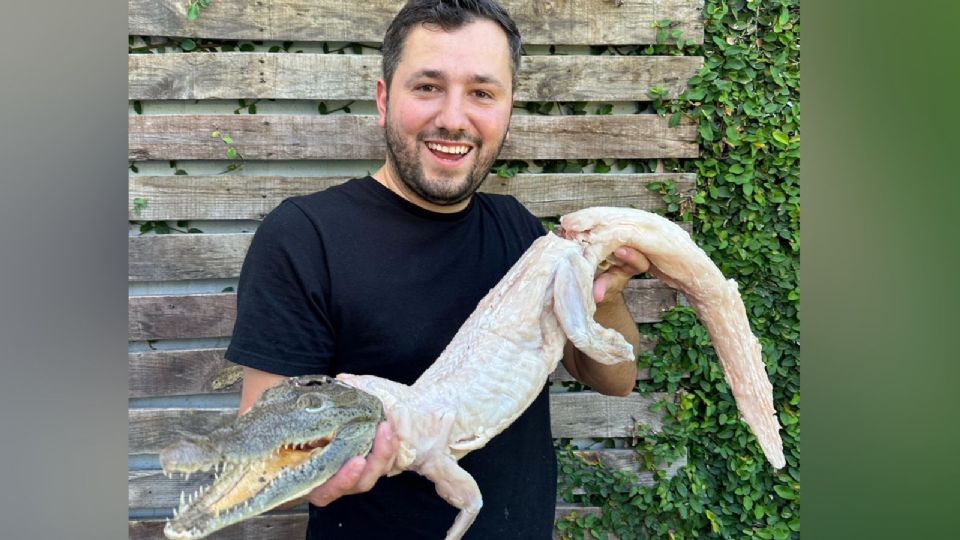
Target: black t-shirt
(355, 279)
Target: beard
(443, 190)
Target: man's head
(446, 96)
(446, 15)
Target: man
(375, 277)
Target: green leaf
(781, 137)
(675, 119)
(706, 131)
(188, 44)
(252, 109)
(228, 139)
(193, 12)
(785, 492)
(137, 106)
(784, 16)
(231, 153)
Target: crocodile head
(296, 436)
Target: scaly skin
(501, 357)
(297, 435)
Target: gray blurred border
(63, 270)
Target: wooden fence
(181, 307)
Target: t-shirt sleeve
(282, 323)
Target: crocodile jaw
(315, 423)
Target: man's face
(448, 109)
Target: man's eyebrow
(427, 74)
(487, 79)
(439, 75)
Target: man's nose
(452, 115)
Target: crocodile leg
(574, 307)
(458, 488)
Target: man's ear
(382, 102)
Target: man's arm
(612, 312)
(357, 475)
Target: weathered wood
(179, 372)
(293, 525)
(151, 489)
(574, 415)
(626, 459)
(539, 22)
(252, 197)
(181, 316)
(205, 371)
(588, 414)
(346, 77)
(186, 256)
(647, 299)
(342, 136)
(213, 315)
(263, 527)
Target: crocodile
(294, 437)
(493, 369)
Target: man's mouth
(449, 151)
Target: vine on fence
(746, 217)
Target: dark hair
(448, 15)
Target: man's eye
(483, 94)
(427, 88)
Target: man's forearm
(616, 379)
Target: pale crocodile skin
(500, 358)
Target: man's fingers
(381, 458)
(633, 261)
(627, 262)
(339, 484)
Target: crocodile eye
(313, 403)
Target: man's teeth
(457, 149)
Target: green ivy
(745, 214)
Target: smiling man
(446, 109)
(376, 275)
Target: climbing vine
(745, 214)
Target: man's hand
(627, 262)
(360, 474)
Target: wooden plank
(648, 299)
(181, 316)
(180, 372)
(213, 315)
(152, 489)
(354, 77)
(252, 197)
(342, 136)
(539, 22)
(265, 527)
(574, 415)
(589, 414)
(206, 371)
(293, 525)
(186, 256)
